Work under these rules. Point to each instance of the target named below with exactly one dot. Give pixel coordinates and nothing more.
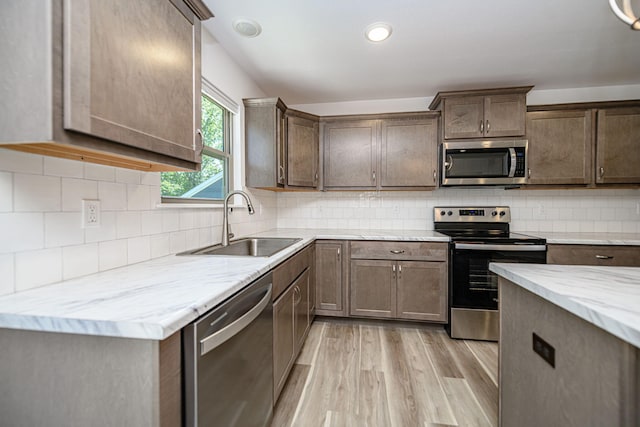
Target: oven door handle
(507, 248)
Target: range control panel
(500, 214)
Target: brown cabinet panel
(283, 339)
(408, 152)
(285, 273)
(373, 288)
(628, 256)
(302, 152)
(464, 117)
(560, 147)
(618, 146)
(330, 278)
(301, 309)
(389, 250)
(350, 153)
(422, 290)
(504, 115)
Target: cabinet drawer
(286, 273)
(628, 256)
(419, 251)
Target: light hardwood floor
(362, 373)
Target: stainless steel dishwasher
(228, 361)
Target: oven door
(472, 285)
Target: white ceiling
(313, 51)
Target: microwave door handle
(448, 163)
(512, 164)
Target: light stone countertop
(622, 239)
(607, 297)
(154, 299)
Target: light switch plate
(90, 213)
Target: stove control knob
(443, 213)
(449, 213)
(503, 213)
(494, 213)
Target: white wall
(41, 239)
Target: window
(212, 182)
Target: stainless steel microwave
(484, 162)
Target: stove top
(484, 224)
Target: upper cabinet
(393, 151)
(487, 113)
(563, 139)
(560, 147)
(281, 145)
(618, 146)
(115, 83)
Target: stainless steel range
(480, 235)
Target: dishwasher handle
(220, 337)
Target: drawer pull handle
(397, 252)
(604, 257)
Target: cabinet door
(283, 339)
(302, 152)
(622, 256)
(422, 290)
(373, 288)
(349, 154)
(312, 283)
(408, 153)
(560, 147)
(329, 278)
(464, 117)
(132, 74)
(301, 309)
(504, 115)
(618, 146)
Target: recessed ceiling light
(378, 32)
(247, 27)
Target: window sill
(196, 206)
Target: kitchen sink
(251, 246)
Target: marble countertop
(154, 299)
(608, 297)
(622, 239)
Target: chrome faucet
(225, 218)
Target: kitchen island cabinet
(605, 255)
(551, 316)
(109, 82)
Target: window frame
(230, 111)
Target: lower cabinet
(620, 256)
(399, 288)
(292, 314)
(330, 278)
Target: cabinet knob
(434, 176)
(338, 253)
(604, 257)
(601, 172)
(199, 133)
(373, 175)
(396, 252)
(529, 173)
(481, 126)
(488, 126)
(280, 173)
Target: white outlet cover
(90, 213)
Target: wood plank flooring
(367, 373)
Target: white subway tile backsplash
(160, 245)
(137, 197)
(36, 193)
(99, 172)
(54, 166)
(16, 161)
(74, 191)
(127, 176)
(187, 220)
(170, 221)
(79, 260)
(63, 229)
(6, 191)
(151, 222)
(7, 275)
(138, 249)
(37, 268)
(112, 196)
(178, 241)
(150, 178)
(21, 232)
(112, 254)
(128, 224)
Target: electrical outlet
(90, 213)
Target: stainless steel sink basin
(256, 247)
